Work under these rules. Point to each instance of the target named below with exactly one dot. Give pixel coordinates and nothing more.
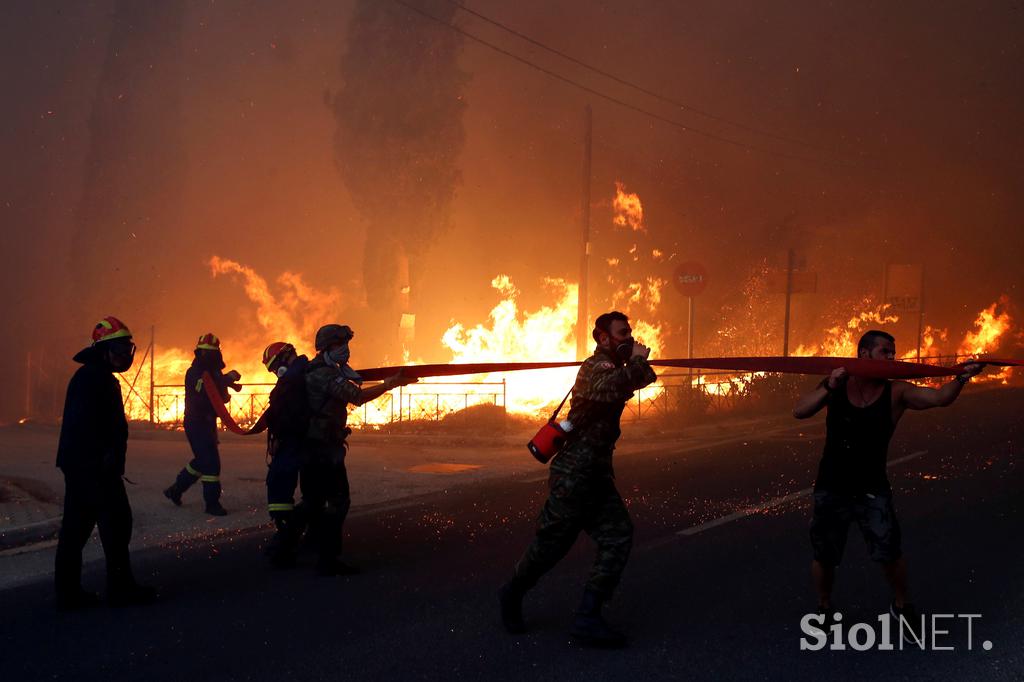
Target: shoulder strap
(558, 409)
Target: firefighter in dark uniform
(91, 455)
(287, 423)
(582, 484)
(201, 425)
(331, 385)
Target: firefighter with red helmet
(91, 455)
(200, 424)
(287, 421)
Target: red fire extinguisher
(551, 436)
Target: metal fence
(674, 393)
(168, 403)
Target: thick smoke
(399, 135)
(134, 170)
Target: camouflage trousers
(580, 503)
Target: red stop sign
(690, 278)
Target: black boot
(173, 494)
(216, 509)
(590, 628)
(283, 547)
(510, 597)
(211, 495)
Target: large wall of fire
(233, 168)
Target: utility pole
(789, 294)
(689, 328)
(28, 386)
(689, 340)
(582, 314)
(920, 314)
(152, 376)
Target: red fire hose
(874, 369)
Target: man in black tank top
(852, 485)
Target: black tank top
(856, 445)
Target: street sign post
(690, 278)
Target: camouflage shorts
(873, 514)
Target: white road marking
(776, 502)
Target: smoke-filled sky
(141, 139)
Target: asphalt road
(715, 589)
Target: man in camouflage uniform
(582, 484)
(331, 384)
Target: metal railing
(712, 392)
(168, 403)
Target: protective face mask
(624, 350)
(340, 356)
(281, 371)
(121, 357)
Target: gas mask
(281, 371)
(624, 350)
(210, 360)
(121, 355)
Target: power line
(639, 88)
(620, 102)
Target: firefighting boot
(590, 628)
(215, 508)
(510, 598)
(174, 494)
(284, 546)
(328, 532)
(211, 495)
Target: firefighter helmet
(276, 351)
(208, 342)
(108, 329)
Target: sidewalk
(29, 512)
(383, 470)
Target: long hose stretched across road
(874, 369)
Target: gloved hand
(233, 377)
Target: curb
(29, 533)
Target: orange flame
(516, 336)
(841, 339)
(628, 210)
(989, 330)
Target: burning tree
(399, 134)
(134, 170)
